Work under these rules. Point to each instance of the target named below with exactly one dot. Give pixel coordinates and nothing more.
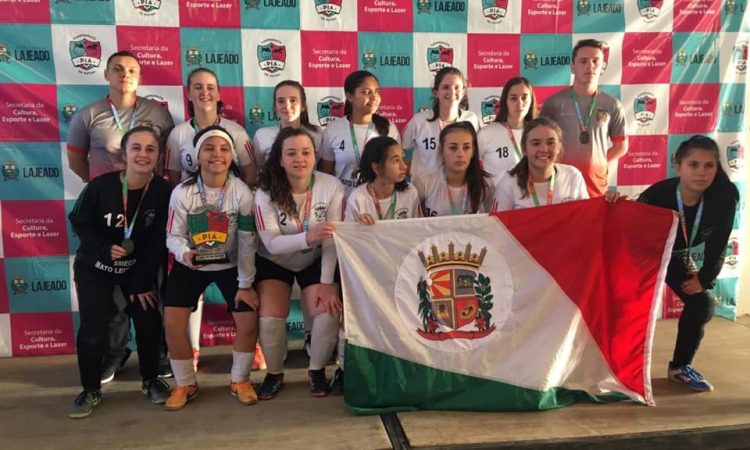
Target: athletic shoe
(244, 392)
(109, 371)
(318, 382)
(180, 396)
(259, 361)
(157, 390)
(687, 375)
(196, 359)
(308, 339)
(337, 384)
(84, 404)
(271, 386)
(165, 369)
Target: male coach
(589, 118)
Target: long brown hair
(351, 83)
(304, 117)
(503, 115)
(463, 104)
(219, 104)
(272, 178)
(521, 170)
(476, 178)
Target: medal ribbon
(355, 145)
(304, 224)
(550, 190)
(216, 207)
(194, 124)
(513, 140)
(116, 115)
(683, 223)
(584, 127)
(454, 210)
(128, 231)
(391, 213)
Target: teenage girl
(460, 186)
(296, 206)
(706, 202)
(120, 219)
(211, 213)
(538, 179)
(500, 141)
(422, 133)
(345, 138)
(290, 105)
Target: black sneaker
(337, 384)
(157, 390)
(109, 372)
(318, 382)
(165, 369)
(84, 404)
(271, 386)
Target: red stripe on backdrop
(605, 259)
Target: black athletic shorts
(184, 286)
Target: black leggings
(698, 310)
(97, 308)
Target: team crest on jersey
(455, 298)
(644, 107)
(4, 53)
(271, 56)
(256, 114)
(68, 111)
(328, 8)
(193, 56)
(158, 99)
(85, 52)
(368, 59)
(583, 8)
(490, 109)
(329, 109)
(733, 250)
(208, 229)
(423, 6)
(739, 55)
(10, 171)
(530, 60)
(439, 55)
(147, 6)
(494, 10)
(320, 210)
(650, 9)
(735, 156)
(18, 285)
(681, 58)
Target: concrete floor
(35, 394)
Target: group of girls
(281, 232)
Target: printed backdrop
(678, 66)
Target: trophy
(208, 232)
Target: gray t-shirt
(93, 132)
(607, 124)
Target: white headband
(214, 132)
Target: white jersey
(569, 186)
(264, 137)
(281, 239)
(337, 146)
(433, 193)
(239, 238)
(360, 202)
(182, 155)
(496, 150)
(423, 138)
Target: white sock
(194, 325)
(183, 372)
(242, 363)
(307, 320)
(324, 335)
(272, 334)
(340, 346)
